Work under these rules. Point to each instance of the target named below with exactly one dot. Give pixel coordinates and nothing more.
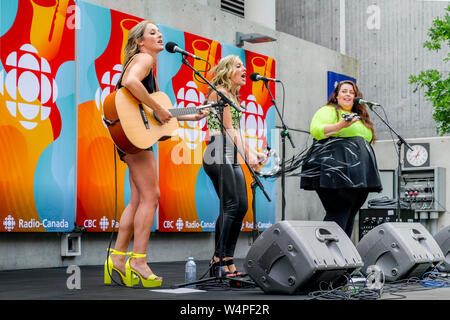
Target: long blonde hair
(223, 72)
(135, 34)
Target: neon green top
(327, 115)
(214, 123)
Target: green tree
(436, 84)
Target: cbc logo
(179, 224)
(192, 132)
(9, 223)
(89, 223)
(108, 83)
(168, 224)
(31, 92)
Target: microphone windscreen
(356, 100)
(170, 46)
(254, 76)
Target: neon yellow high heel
(109, 267)
(150, 282)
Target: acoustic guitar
(133, 126)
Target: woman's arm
(323, 123)
(330, 129)
(194, 117)
(132, 80)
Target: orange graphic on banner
(21, 150)
(178, 185)
(47, 26)
(262, 66)
(126, 25)
(206, 50)
(95, 192)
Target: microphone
(358, 100)
(256, 77)
(172, 47)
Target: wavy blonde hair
(223, 73)
(135, 34)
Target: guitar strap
(154, 77)
(123, 72)
(125, 68)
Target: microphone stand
(220, 106)
(285, 133)
(400, 142)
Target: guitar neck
(177, 112)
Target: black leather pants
(235, 203)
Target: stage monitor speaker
(401, 250)
(443, 240)
(301, 256)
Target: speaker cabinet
(443, 240)
(401, 250)
(301, 256)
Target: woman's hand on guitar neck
(163, 115)
(201, 114)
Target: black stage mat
(56, 283)
(59, 284)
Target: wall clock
(419, 156)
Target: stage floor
(54, 283)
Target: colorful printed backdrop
(38, 117)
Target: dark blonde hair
(136, 33)
(359, 109)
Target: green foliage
(437, 85)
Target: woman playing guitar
(141, 51)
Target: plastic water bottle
(190, 272)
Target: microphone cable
(282, 105)
(397, 152)
(115, 218)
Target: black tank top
(149, 82)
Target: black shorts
(122, 154)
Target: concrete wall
(262, 12)
(387, 39)
(300, 64)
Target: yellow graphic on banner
(20, 152)
(47, 27)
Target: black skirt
(340, 163)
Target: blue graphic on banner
(265, 210)
(333, 79)
(170, 62)
(91, 32)
(54, 179)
